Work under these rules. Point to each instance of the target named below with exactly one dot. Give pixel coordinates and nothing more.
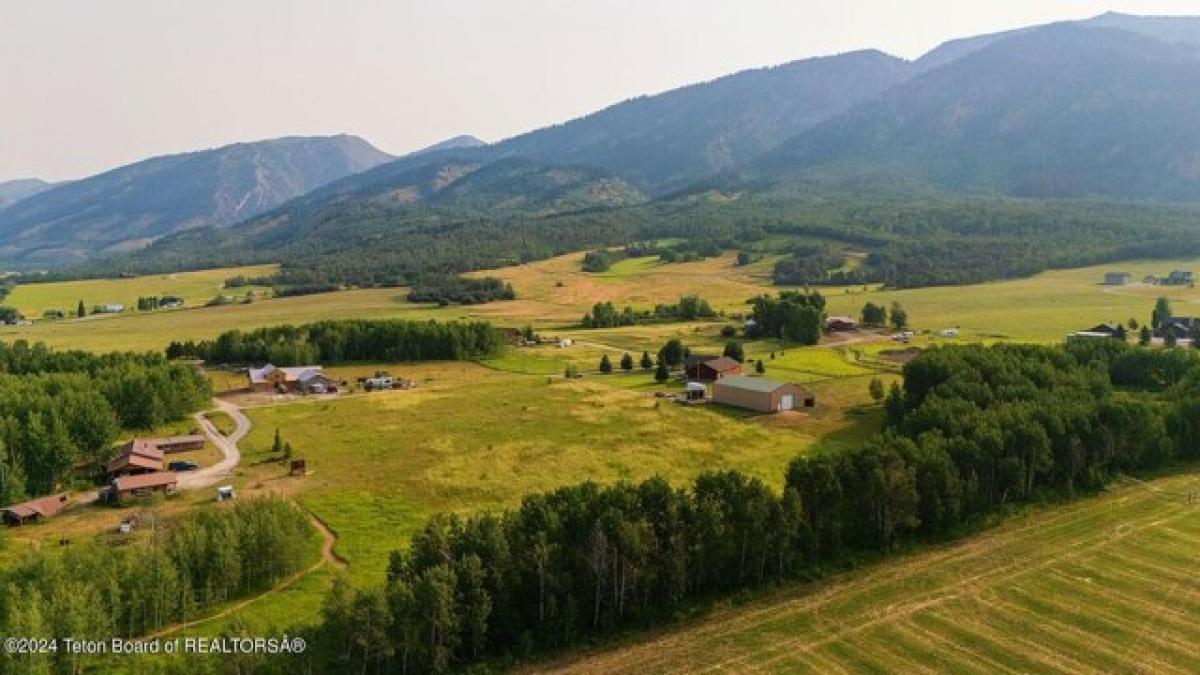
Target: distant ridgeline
(931, 239)
(973, 428)
(59, 410)
(348, 340)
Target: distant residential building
(1179, 278)
(123, 488)
(109, 308)
(173, 444)
(760, 394)
(298, 379)
(1179, 326)
(1117, 278)
(138, 456)
(1150, 280)
(1110, 329)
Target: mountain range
(14, 191)
(128, 207)
(1096, 109)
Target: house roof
(840, 319)
(760, 384)
(140, 452)
(145, 480)
(696, 359)
(290, 374)
(43, 506)
(723, 364)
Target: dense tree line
(97, 591)
(973, 429)
(446, 290)
(689, 308)
(347, 340)
(792, 316)
(60, 409)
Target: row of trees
(62, 409)
(347, 340)
(96, 591)
(973, 429)
(878, 316)
(689, 308)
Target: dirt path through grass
(328, 557)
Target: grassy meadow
(478, 436)
(196, 288)
(1105, 584)
(472, 437)
(553, 294)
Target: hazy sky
(91, 84)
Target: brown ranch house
(711, 369)
(760, 394)
(297, 379)
(125, 487)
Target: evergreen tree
(672, 353)
(277, 444)
(760, 367)
(876, 389)
(647, 362)
(1162, 312)
(899, 317)
(1144, 336)
(606, 366)
(662, 374)
(81, 311)
(735, 351)
(626, 362)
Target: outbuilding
(137, 457)
(173, 444)
(760, 394)
(34, 509)
(125, 487)
(711, 369)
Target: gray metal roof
(761, 384)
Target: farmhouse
(109, 308)
(837, 324)
(301, 379)
(138, 456)
(173, 444)
(1117, 278)
(1179, 278)
(1179, 326)
(34, 509)
(1150, 280)
(761, 394)
(125, 487)
(1110, 329)
(710, 369)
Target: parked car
(183, 465)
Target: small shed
(1117, 278)
(695, 391)
(298, 467)
(225, 493)
(760, 394)
(34, 509)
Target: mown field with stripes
(1104, 584)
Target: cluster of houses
(730, 386)
(140, 468)
(1175, 278)
(1181, 328)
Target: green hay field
(196, 288)
(1102, 585)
